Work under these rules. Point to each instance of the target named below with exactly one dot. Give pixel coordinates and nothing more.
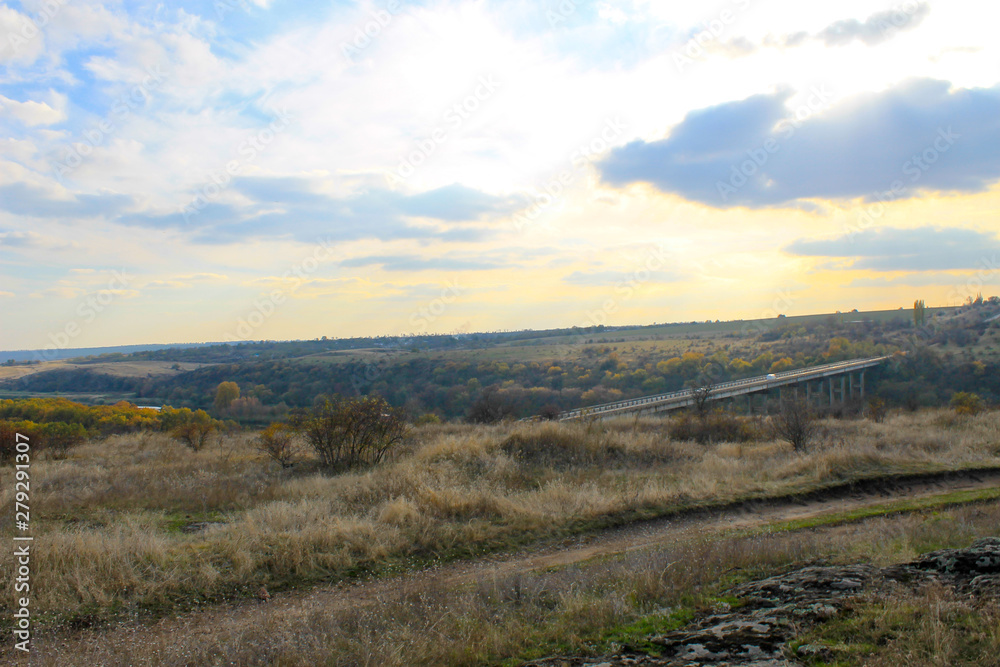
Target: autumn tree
(226, 393)
(193, 428)
(277, 441)
(966, 403)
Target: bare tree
(549, 412)
(491, 407)
(795, 423)
(701, 390)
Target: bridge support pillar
(831, 391)
(843, 389)
(862, 388)
(850, 385)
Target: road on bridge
(686, 397)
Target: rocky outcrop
(773, 611)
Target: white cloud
(354, 121)
(22, 41)
(31, 113)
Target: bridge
(813, 379)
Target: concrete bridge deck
(687, 397)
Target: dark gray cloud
(920, 135)
(877, 28)
(919, 249)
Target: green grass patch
(936, 502)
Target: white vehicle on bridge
(772, 376)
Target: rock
(983, 557)
(773, 611)
(985, 585)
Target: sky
(267, 169)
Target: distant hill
(73, 353)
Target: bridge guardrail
(688, 393)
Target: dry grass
(107, 518)
(14, 372)
(933, 627)
(113, 368)
(582, 609)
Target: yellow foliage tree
(226, 393)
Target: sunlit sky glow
(261, 169)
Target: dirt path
(229, 619)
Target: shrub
(549, 412)
(346, 433)
(966, 403)
(876, 409)
(8, 437)
(712, 427)
(194, 434)
(56, 436)
(491, 407)
(278, 442)
(428, 418)
(795, 423)
(60, 436)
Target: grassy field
(14, 372)
(113, 368)
(589, 608)
(541, 350)
(110, 519)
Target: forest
(445, 377)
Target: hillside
(560, 369)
